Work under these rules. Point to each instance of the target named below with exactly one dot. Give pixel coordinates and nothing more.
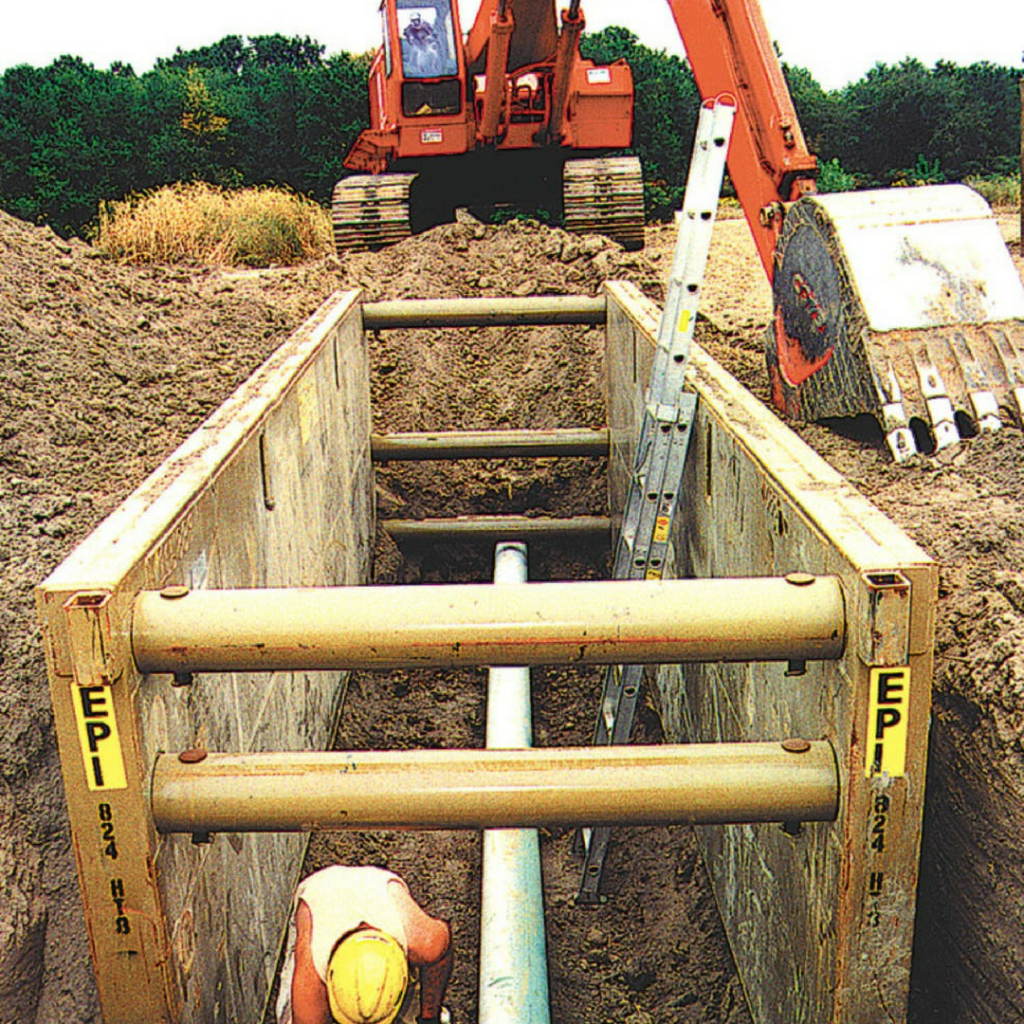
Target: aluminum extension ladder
(664, 439)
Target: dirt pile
(104, 370)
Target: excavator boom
(900, 303)
(731, 54)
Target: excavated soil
(105, 369)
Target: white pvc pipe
(513, 948)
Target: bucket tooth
(898, 435)
(986, 411)
(901, 442)
(901, 303)
(1008, 346)
(936, 400)
(978, 381)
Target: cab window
(427, 35)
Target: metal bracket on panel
(89, 636)
(882, 633)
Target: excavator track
(605, 196)
(370, 211)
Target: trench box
(275, 490)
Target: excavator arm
(731, 53)
(535, 38)
(900, 303)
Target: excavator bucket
(901, 303)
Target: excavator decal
(815, 313)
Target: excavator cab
(420, 67)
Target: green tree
(978, 132)
(274, 109)
(69, 135)
(238, 55)
(292, 113)
(905, 116)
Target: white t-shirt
(340, 899)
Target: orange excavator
(496, 116)
(903, 304)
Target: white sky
(838, 43)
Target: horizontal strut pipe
(538, 311)
(493, 528)
(703, 783)
(490, 444)
(470, 625)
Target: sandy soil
(105, 369)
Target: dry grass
(257, 227)
(998, 190)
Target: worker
(418, 32)
(354, 934)
(421, 49)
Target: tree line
(240, 112)
(271, 109)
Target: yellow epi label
(98, 737)
(888, 722)
(684, 321)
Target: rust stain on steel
(796, 746)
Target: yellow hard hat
(366, 978)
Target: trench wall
(275, 489)
(820, 922)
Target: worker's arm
(434, 979)
(309, 993)
(430, 949)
